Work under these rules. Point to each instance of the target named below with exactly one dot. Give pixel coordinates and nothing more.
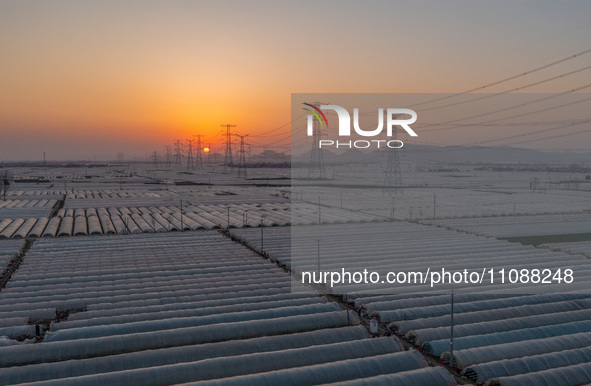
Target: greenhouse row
(27, 203)
(8, 249)
(407, 247)
(134, 220)
(134, 308)
(579, 247)
(513, 226)
(519, 336)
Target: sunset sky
(82, 79)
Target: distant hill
(454, 155)
(269, 157)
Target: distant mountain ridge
(454, 155)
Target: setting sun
(206, 150)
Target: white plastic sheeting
(118, 224)
(463, 307)
(330, 372)
(24, 229)
(32, 314)
(579, 247)
(11, 228)
(80, 225)
(468, 357)
(37, 230)
(222, 367)
(4, 223)
(194, 217)
(176, 323)
(431, 334)
(508, 367)
(431, 376)
(142, 305)
(209, 307)
(414, 248)
(14, 321)
(512, 226)
(107, 225)
(142, 224)
(88, 348)
(94, 226)
(487, 325)
(25, 208)
(183, 354)
(52, 227)
(402, 327)
(8, 249)
(438, 347)
(130, 224)
(564, 376)
(177, 310)
(66, 226)
(15, 331)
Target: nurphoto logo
(394, 117)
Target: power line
(506, 108)
(437, 150)
(554, 136)
(280, 127)
(517, 115)
(508, 79)
(531, 132)
(537, 83)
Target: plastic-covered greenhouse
(181, 307)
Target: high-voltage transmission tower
(155, 159)
(190, 163)
(241, 157)
(316, 168)
(198, 159)
(178, 153)
(228, 159)
(393, 176)
(168, 156)
(4, 184)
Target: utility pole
(434, 205)
(241, 157)
(182, 225)
(228, 158)
(451, 341)
(393, 207)
(262, 238)
(318, 256)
